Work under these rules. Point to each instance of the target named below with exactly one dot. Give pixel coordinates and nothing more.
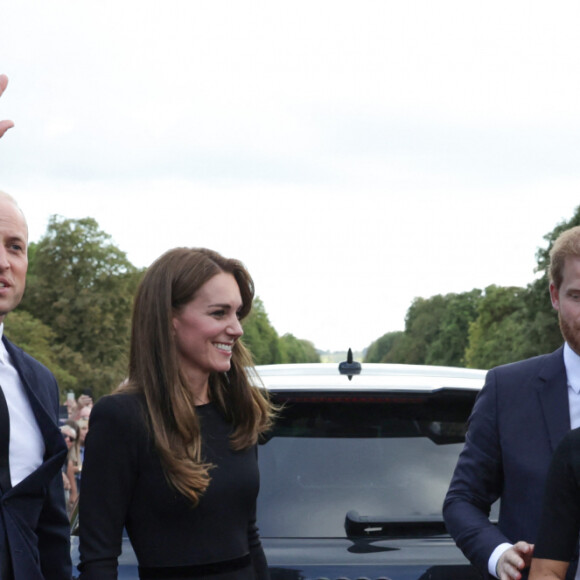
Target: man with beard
(519, 417)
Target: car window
(381, 456)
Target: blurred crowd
(74, 427)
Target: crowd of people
(74, 430)
(171, 455)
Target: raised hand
(4, 125)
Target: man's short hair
(566, 244)
(8, 197)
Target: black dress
(124, 486)
(560, 524)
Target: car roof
(377, 377)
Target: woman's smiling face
(207, 327)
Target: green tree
(295, 350)
(380, 348)
(82, 286)
(495, 336)
(448, 347)
(422, 325)
(479, 330)
(39, 341)
(260, 337)
(516, 323)
(540, 332)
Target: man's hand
(514, 560)
(4, 125)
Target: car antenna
(349, 367)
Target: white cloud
(354, 154)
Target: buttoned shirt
(572, 364)
(27, 448)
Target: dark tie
(5, 484)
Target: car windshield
(386, 457)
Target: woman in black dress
(172, 454)
(557, 542)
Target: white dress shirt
(572, 364)
(26, 441)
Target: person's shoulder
(25, 361)
(120, 409)
(118, 403)
(531, 365)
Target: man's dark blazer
(33, 512)
(518, 419)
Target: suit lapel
(552, 389)
(39, 397)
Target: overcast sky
(354, 155)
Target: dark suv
(354, 473)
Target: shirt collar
(4, 356)
(572, 364)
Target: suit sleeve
(477, 482)
(109, 473)
(53, 529)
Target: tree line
(479, 328)
(75, 316)
(76, 313)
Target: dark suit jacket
(33, 512)
(518, 419)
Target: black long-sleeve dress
(124, 486)
(560, 524)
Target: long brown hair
(168, 285)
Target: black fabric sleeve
(109, 473)
(259, 562)
(560, 524)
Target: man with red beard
(520, 416)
